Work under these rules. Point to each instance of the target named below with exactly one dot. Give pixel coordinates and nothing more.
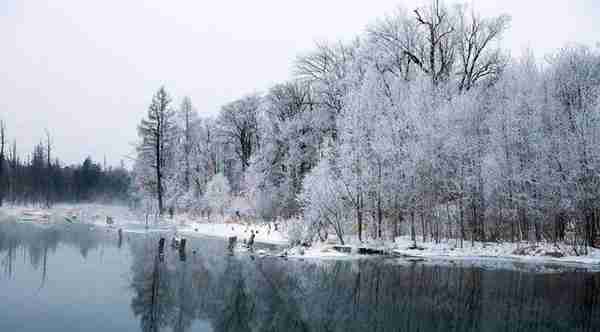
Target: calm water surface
(71, 278)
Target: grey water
(73, 278)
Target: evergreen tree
(157, 133)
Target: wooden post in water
(161, 245)
(232, 242)
(182, 249)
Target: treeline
(41, 179)
(423, 125)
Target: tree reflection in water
(236, 293)
(36, 244)
(210, 290)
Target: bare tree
(475, 36)
(396, 37)
(326, 70)
(442, 43)
(436, 55)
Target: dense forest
(41, 179)
(422, 125)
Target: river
(73, 278)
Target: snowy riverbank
(448, 250)
(524, 251)
(264, 233)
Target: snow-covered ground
(265, 232)
(121, 217)
(323, 251)
(448, 250)
(527, 252)
(483, 254)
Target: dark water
(73, 279)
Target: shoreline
(445, 251)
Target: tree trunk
(462, 222)
(593, 229)
(423, 230)
(589, 229)
(379, 217)
(449, 221)
(413, 235)
(512, 231)
(359, 216)
(379, 208)
(524, 225)
(473, 223)
(397, 222)
(159, 174)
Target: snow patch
(265, 233)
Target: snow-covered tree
(218, 194)
(237, 128)
(188, 118)
(323, 201)
(289, 145)
(157, 133)
(422, 125)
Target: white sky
(86, 70)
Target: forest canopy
(423, 124)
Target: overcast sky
(86, 70)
